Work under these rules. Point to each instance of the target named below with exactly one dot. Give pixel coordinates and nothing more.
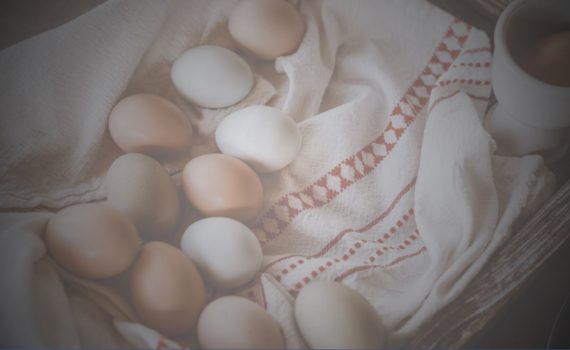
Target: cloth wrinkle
(396, 191)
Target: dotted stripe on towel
(339, 236)
(465, 82)
(352, 250)
(486, 64)
(385, 266)
(277, 218)
(446, 97)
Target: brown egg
(549, 59)
(267, 28)
(167, 290)
(220, 185)
(238, 323)
(140, 187)
(149, 124)
(92, 240)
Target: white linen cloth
(395, 193)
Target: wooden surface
(510, 270)
(482, 14)
(22, 19)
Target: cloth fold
(396, 191)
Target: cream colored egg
(332, 316)
(225, 250)
(92, 240)
(264, 137)
(140, 187)
(237, 323)
(267, 28)
(150, 124)
(212, 76)
(167, 290)
(220, 185)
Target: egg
(167, 290)
(331, 315)
(92, 240)
(266, 28)
(149, 124)
(212, 76)
(220, 185)
(237, 323)
(226, 251)
(140, 187)
(548, 59)
(264, 137)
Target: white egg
(264, 137)
(332, 316)
(212, 76)
(226, 251)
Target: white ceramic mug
(532, 116)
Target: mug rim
(500, 37)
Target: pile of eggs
(125, 236)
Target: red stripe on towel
(339, 236)
(391, 264)
(368, 158)
(352, 252)
(446, 97)
(477, 50)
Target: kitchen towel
(396, 191)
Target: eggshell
(167, 290)
(220, 185)
(149, 124)
(212, 76)
(549, 59)
(140, 187)
(267, 28)
(264, 137)
(331, 315)
(225, 250)
(237, 323)
(92, 240)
